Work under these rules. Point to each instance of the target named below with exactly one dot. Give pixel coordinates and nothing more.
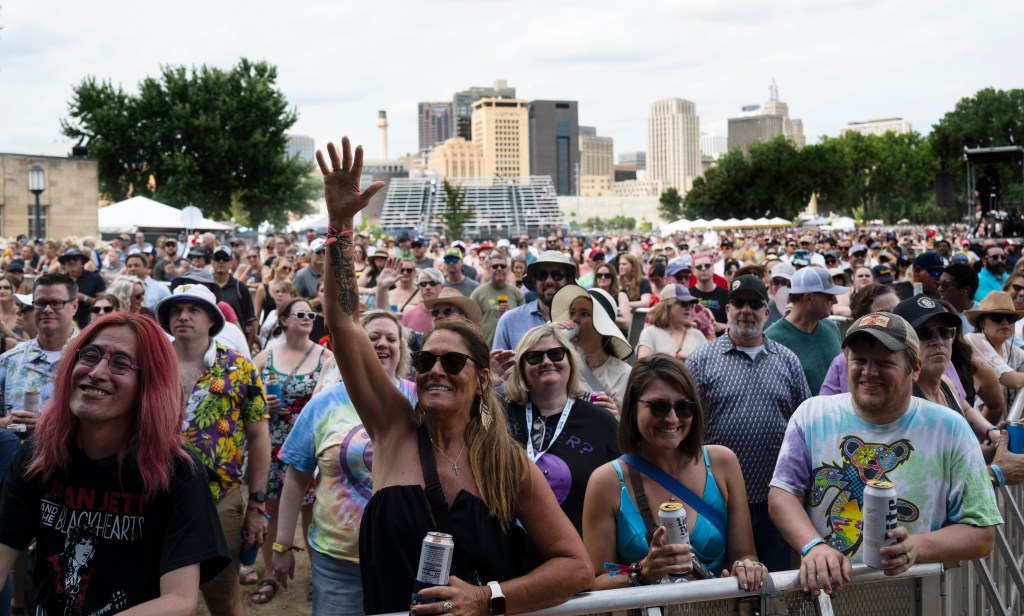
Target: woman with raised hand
(662, 433)
(449, 458)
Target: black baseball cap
(919, 308)
(746, 285)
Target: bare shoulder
(723, 457)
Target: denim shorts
(337, 586)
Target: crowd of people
(174, 409)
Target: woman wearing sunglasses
(396, 285)
(129, 291)
(671, 328)
(662, 433)
(104, 304)
(606, 278)
(549, 411)
(450, 457)
(430, 282)
(993, 322)
(263, 302)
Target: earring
(485, 415)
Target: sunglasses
(949, 285)
(407, 270)
(220, 257)
(302, 314)
(780, 282)
(498, 266)
(556, 275)
(791, 245)
(703, 267)
(451, 260)
(1002, 318)
(830, 260)
(555, 354)
(996, 257)
(429, 283)
(659, 408)
(447, 312)
(603, 275)
(451, 361)
(739, 303)
(103, 309)
(927, 333)
(253, 257)
(170, 245)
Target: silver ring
(907, 556)
(738, 565)
(446, 607)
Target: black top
(269, 305)
(237, 296)
(100, 548)
(92, 285)
(951, 400)
(714, 300)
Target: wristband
(989, 441)
(258, 510)
(810, 545)
(280, 549)
(1000, 480)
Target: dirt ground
(288, 602)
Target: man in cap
(15, 272)
(550, 272)
(198, 258)
(709, 294)
(781, 279)
(496, 297)
(927, 269)
(419, 254)
(234, 293)
(308, 278)
(750, 385)
(993, 272)
(858, 254)
(225, 416)
(137, 264)
(455, 278)
(169, 264)
(835, 445)
(807, 330)
(681, 270)
(89, 284)
(882, 273)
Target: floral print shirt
(226, 397)
(26, 367)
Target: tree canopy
(456, 213)
(211, 137)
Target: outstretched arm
(380, 404)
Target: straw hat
(996, 302)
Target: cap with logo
(890, 329)
(748, 285)
(920, 308)
(882, 274)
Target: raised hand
(341, 181)
(389, 274)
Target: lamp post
(36, 186)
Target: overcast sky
(340, 62)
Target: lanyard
(536, 455)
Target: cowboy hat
(996, 302)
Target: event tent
(142, 214)
(700, 224)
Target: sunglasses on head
(738, 303)
(447, 312)
(946, 332)
(556, 275)
(535, 357)
(451, 361)
(429, 283)
(103, 309)
(659, 408)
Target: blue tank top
(707, 543)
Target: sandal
(247, 576)
(261, 596)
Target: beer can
(273, 387)
(672, 516)
(503, 299)
(879, 518)
(247, 554)
(32, 401)
(435, 564)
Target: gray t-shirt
(306, 281)
(465, 287)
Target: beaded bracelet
(332, 236)
(1000, 477)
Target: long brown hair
(660, 366)
(631, 285)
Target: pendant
(456, 469)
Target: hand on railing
(824, 568)
(750, 574)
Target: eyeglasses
(556, 275)
(429, 283)
(555, 354)
(1002, 318)
(498, 266)
(739, 303)
(118, 363)
(659, 408)
(703, 267)
(301, 314)
(780, 282)
(103, 309)
(927, 333)
(603, 275)
(447, 312)
(407, 270)
(56, 304)
(451, 361)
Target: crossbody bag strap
(402, 309)
(675, 487)
(641, 500)
(435, 495)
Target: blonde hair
(121, 289)
(517, 390)
(660, 315)
(497, 461)
(368, 316)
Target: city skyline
(834, 63)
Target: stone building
(68, 204)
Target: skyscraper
(673, 143)
(502, 129)
(435, 123)
(773, 121)
(462, 105)
(302, 146)
(554, 143)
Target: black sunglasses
(1002, 318)
(429, 283)
(603, 275)
(447, 312)
(407, 270)
(451, 361)
(535, 357)
(498, 266)
(556, 275)
(738, 303)
(659, 408)
(927, 333)
(103, 309)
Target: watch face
(497, 605)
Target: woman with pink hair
(122, 516)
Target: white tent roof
(145, 214)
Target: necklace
(455, 462)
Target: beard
(746, 330)
(997, 268)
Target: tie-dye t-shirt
(329, 436)
(930, 454)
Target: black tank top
(951, 400)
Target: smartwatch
(258, 497)
(810, 545)
(497, 605)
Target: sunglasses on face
(791, 245)
(949, 285)
(170, 245)
(429, 283)
(705, 266)
(927, 333)
(451, 260)
(659, 408)
(253, 257)
(555, 354)
(498, 266)
(603, 275)
(739, 303)
(451, 361)
(1002, 318)
(556, 275)
(302, 314)
(103, 309)
(447, 312)
(407, 270)
(996, 257)
(780, 282)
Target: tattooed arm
(380, 404)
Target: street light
(36, 186)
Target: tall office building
(462, 105)
(501, 127)
(457, 158)
(554, 143)
(302, 146)
(435, 122)
(713, 146)
(636, 159)
(878, 127)
(773, 121)
(673, 143)
(596, 163)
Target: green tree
(215, 138)
(456, 212)
(594, 223)
(670, 205)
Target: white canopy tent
(142, 214)
(732, 223)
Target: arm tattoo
(344, 276)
